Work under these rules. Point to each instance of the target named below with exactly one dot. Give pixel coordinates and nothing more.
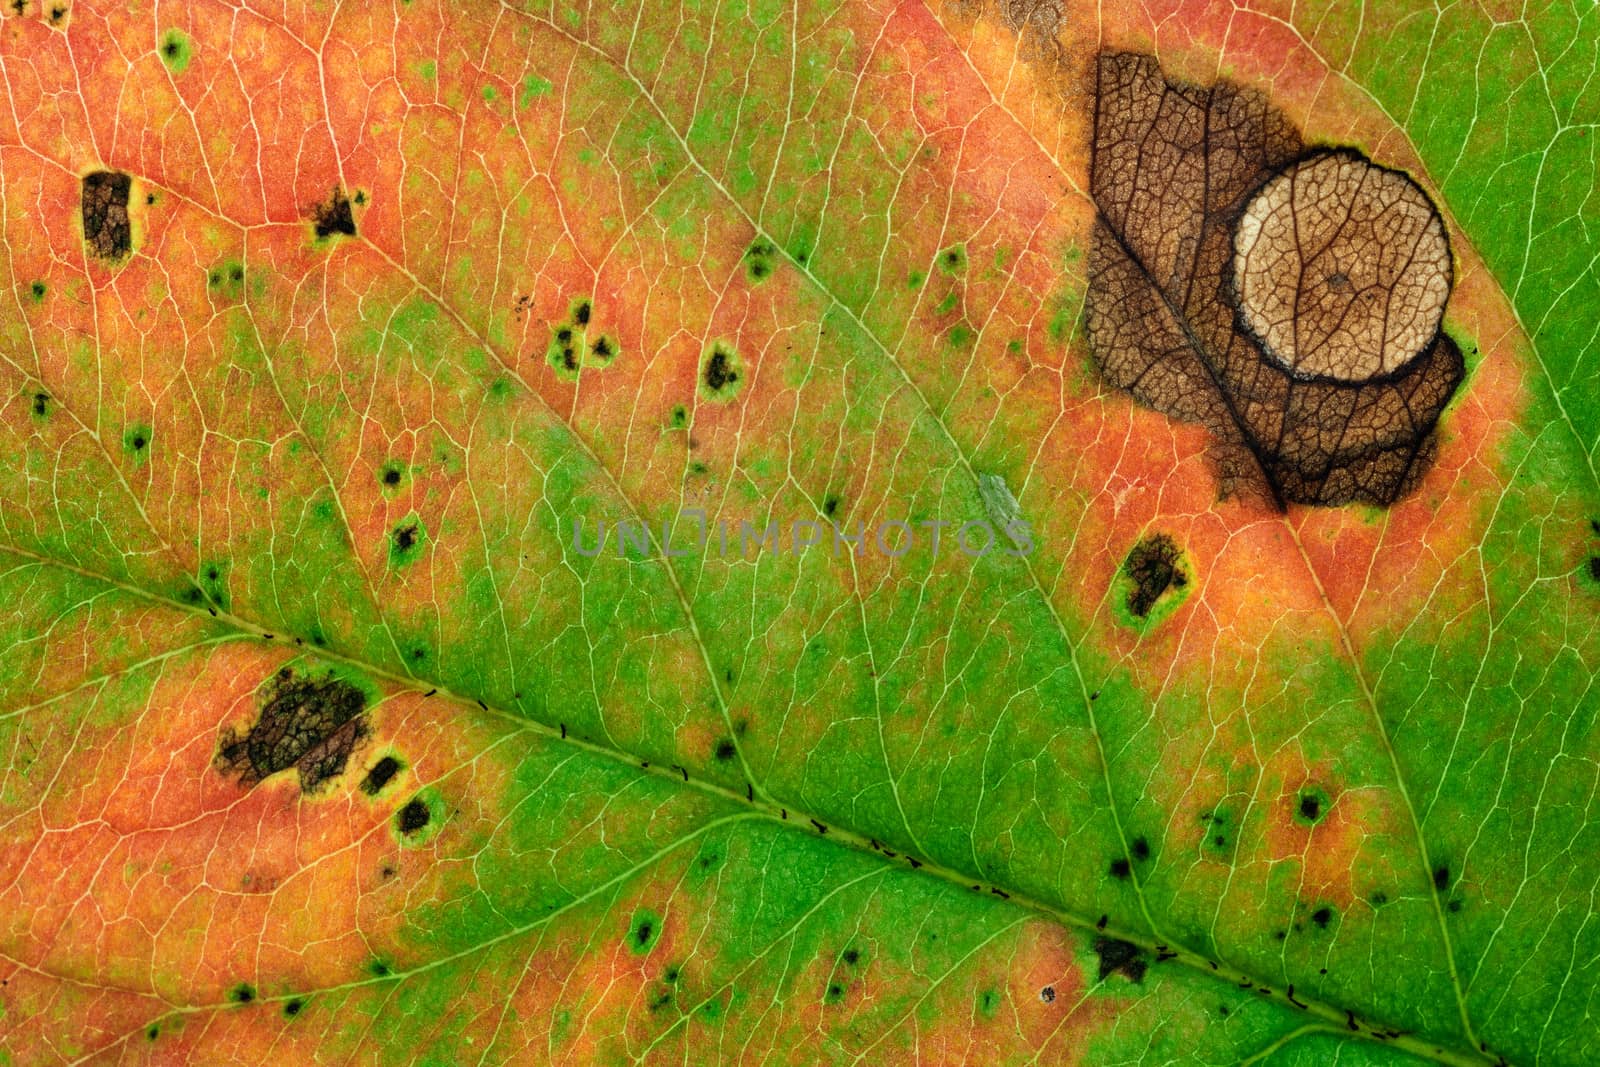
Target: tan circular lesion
(1342, 268)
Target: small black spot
(720, 372)
(414, 816)
(38, 289)
(150, 198)
(1223, 1010)
(211, 573)
(661, 1000)
(564, 335)
(1153, 566)
(152, 1033)
(104, 200)
(1441, 879)
(1594, 524)
(1322, 916)
(835, 993)
(379, 775)
(581, 312)
(242, 993)
(138, 441)
(334, 216)
(1048, 994)
(1379, 899)
(851, 956)
(292, 1007)
(41, 403)
(360, 197)
(1310, 807)
(1594, 568)
(725, 750)
(1141, 849)
(642, 933)
(670, 975)
(379, 969)
(391, 476)
(236, 273)
(1281, 935)
(1119, 957)
(1120, 868)
(1100, 923)
(759, 258)
(1221, 841)
(569, 358)
(405, 537)
(170, 49)
(308, 722)
(830, 504)
(602, 349)
(1454, 905)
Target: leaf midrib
(1334, 1018)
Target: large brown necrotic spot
(1341, 268)
(1288, 300)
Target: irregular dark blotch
(1441, 878)
(830, 505)
(603, 350)
(1310, 807)
(725, 750)
(391, 476)
(720, 372)
(334, 216)
(1120, 868)
(1454, 905)
(379, 969)
(581, 312)
(1119, 957)
(1594, 568)
(413, 817)
(106, 227)
(379, 775)
(309, 722)
(1322, 916)
(1141, 849)
(152, 1033)
(1153, 567)
(242, 993)
(41, 403)
(1379, 899)
(1048, 994)
(405, 537)
(851, 956)
(38, 289)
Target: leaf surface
(328, 738)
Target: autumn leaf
(468, 532)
